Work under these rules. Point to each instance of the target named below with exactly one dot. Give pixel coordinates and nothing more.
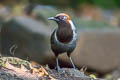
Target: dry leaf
(52, 78)
(38, 71)
(83, 69)
(46, 73)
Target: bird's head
(61, 18)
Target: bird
(64, 37)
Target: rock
(69, 74)
(7, 74)
(73, 72)
(115, 74)
(98, 49)
(30, 37)
(16, 72)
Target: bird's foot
(74, 68)
(58, 69)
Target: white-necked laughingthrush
(64, 38)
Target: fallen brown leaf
(52, 78)
(40, 72)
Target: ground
(12, 68)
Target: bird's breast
(64, 35)
(56, 45)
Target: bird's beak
(53, 18)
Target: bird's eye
(64, 18)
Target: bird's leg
(68, 54)
(58, 67)
(72, 62)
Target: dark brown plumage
(64, 34)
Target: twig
(12, 49)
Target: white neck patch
(72, 25)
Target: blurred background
(25, 32)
